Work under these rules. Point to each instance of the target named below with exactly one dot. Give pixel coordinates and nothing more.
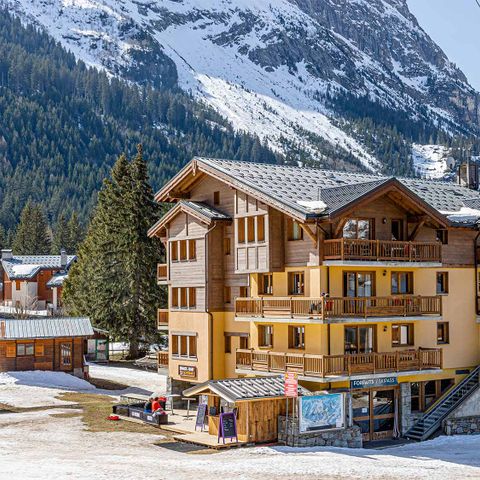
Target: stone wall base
(462, 425)
(340, 437)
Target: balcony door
(359, 339)
(357, 286)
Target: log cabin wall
(47, 355)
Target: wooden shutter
(39, 349)
(11, 351)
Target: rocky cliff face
(276, 68)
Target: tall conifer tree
(32, 236)
(113, 280)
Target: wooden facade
(58, 354)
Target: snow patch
(432, 161)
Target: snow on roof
(465, 215)
(57, 280)
(25, 270)
(316, 206)
(27, 266)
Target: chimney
(63, 258)
(7, 254)
(469, 175)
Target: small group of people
(155, 405)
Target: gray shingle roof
(248, 388)
(46, 327)
(290, 184)
(57, 280)
(27, 266)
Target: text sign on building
(187, 371)
(373, 382)
(291, 385)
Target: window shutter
(11, 351)
(39, 350)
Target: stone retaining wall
(462, 425)
(340, 437)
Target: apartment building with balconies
(354, 282)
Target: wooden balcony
(339, 365)
(162, 272)
(327, 308)
(162, 319)
(162, 359)
(381, 250)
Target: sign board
(291, 385)
(201, 414)
(374, 382)
(227, 427)
(187, 371)
(321, 412)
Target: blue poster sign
(321, 412)
(374, 382)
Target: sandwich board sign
(201, 414)
(227, 427)
(291, 385)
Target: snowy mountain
(278, 69)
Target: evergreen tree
(61, 236)
(32, 235)
(3, 238)
(75, 234)
(113, 280)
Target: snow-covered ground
(42, 444)
(432, 161)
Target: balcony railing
(339, 365)
(162, 272)
(162, 359)
(162, 319)
(381, 250)
(324, 308)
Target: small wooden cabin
(258, 402)
(44, 343)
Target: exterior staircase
(432, 420)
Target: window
(174, 251)
(358, 228)
(442, 333)
(174, 297)
(424, 394)
(216, 198)
(66, 354)
(192, 249)
(227, 246)
(359, 339)
(265, 335)
(296, 283)
(261, 228)
(243, 292)
(251, 229)
(241, 230)
(402, 283)
(442, 236)
(295, 232)
(25, 349)
(266, 284)
(18, 285)
(244, 343)
(183, 298)
(184, 345)
(442, 282)
(228, 344)
(402, 335)
(296, 337)
(397, 230)
(192, 297)
(227, 294)
(183, 250)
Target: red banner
(291, 385)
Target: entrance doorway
(374, 411)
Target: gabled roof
(46, 327)
(203, 212)
(24, 267)
(292, 189)
(250, 388)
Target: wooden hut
(257, 401)
(44, 343)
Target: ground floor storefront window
(424, 394)
(374, 411)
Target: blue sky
(455, 26)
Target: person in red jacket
(155, 405)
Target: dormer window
(295, 231)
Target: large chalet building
(356, 282)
